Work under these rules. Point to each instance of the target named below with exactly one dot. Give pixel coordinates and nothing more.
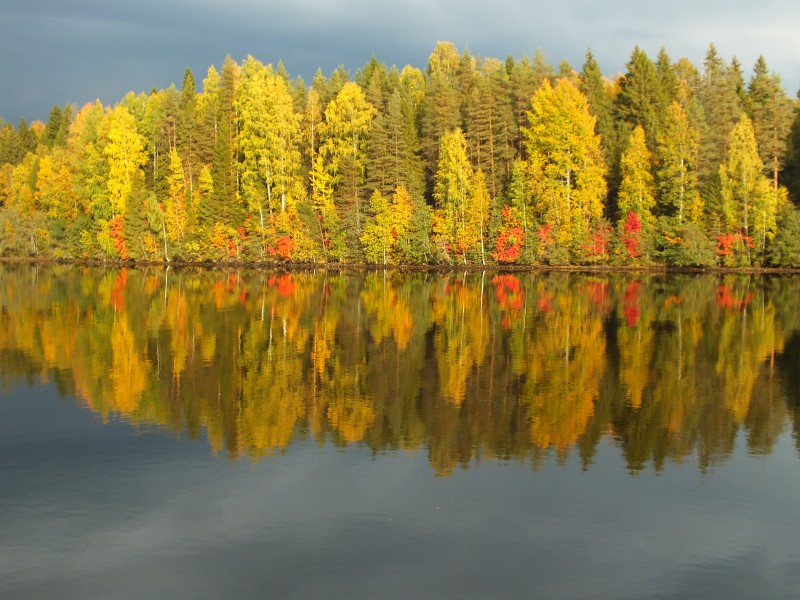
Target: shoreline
(290, 266)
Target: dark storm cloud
(55, 52)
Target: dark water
(171, 434)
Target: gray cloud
(54, 52)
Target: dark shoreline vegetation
(474, 163)
(289, 267)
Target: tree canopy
(472, 161)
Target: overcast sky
(73, 51)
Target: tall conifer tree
(771, 113)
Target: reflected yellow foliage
(466, 367)
(636, 345)
(563, 367)
(390, 311)
(129, 369)
(462, 332)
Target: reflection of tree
(129, 369)
(746, 339)
(562, 368)
(460, 334)
(273, 397)
(469, 367)
(658, 367)
(390, 311)
(635, 345)
(350, 410)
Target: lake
(318, 434)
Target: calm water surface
(218, 434)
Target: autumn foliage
(468, 161)
(632, 240)
(510, 240)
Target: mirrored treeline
(463, 366)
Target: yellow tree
(388, 224)
(452, 191)
(403, 211)
(125, 152)
(377, 237)
(478, 212)
(750, 203)
(312, 124)
(268, 138)
(331, 237)
(566, 163)
(174, 222)
(55, 193)
(347, 120)
(636, 195)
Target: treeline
(463, 367)
(475, 160)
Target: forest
(473, 161)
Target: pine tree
(66, 121)
(542, 70)
(136, 226)
(567, 71)
(790, 176)
(722, 105)
(161, 127)
(490, 121)
(15, 144)
(27, 137)
(224, 158)
(187, 128)
(637, 101)
(771, 113)
(667, 91)
(8, 144)
(594, 86)
(441, 105)
(379, 160)
(53, 126)
(406, 168)
(208, 106)
(523, 83)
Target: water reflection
(463, 367)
